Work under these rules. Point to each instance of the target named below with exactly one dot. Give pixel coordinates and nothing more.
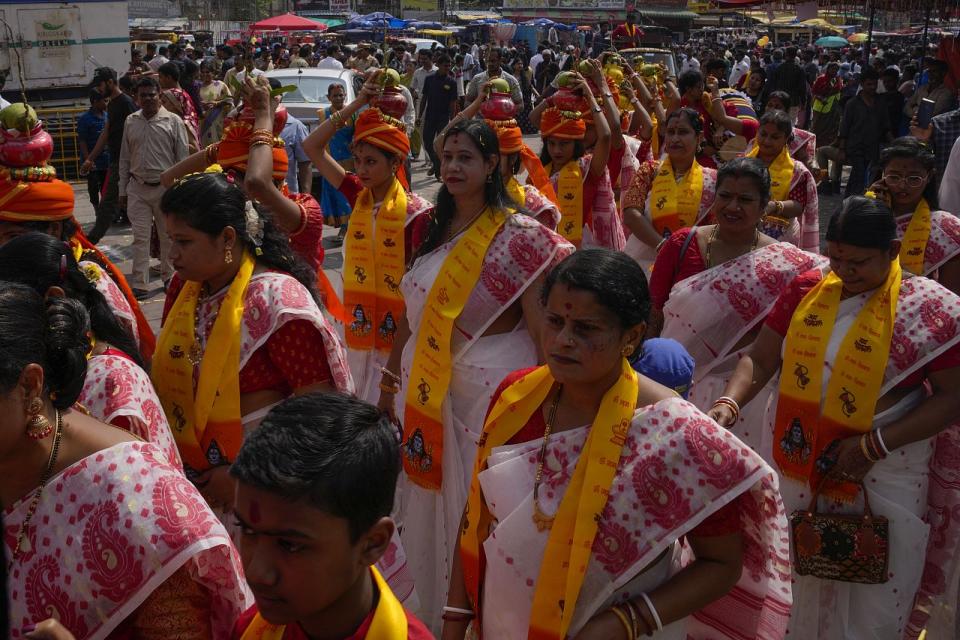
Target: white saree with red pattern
(108, 531)
(519, 254)
(677, 468)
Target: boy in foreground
(316, 483)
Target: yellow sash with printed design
(374, 263)
(570, 197)
(576, 521)
(516, 192)
(422, 446)
(804, 429)
(781, 172)
(913, 245)
(675, 205)
(213, 412)
(389, 619)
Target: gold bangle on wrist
(386, 388)
(390, 374)
(622, 617)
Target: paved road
(117, 244)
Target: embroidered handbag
(846, 548)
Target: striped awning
(667, 13)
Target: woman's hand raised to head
(256, 93)
(371, 85)
(596, 73)
(712, 85)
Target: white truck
(52, 48)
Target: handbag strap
(867, 513)
(683, 250)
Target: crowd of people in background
(646, 382)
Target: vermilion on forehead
(850, 252)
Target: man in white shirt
(552, 37)
(153, 140)
(249, 68)
(536, 59)
(494, 59)
(330, 61)
(469, 63)
(426, 69)
(740, 69)
(690, 63)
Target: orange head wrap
(555, 124)
(234, 150)
(27, 200)
(511, 141)
(384, 132)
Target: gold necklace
(713, 237)
(195, 354)
(450, 233)
(541, 519)
(35, 502)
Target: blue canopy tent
(418, 24)
(362, 22)
(546, 23)
(485, 21)
(376, 15)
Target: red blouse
(779, 320)
(307, 240)
(292, 357)
(666, 271)
(722, 522)
(615, 165)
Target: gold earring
(38, 427)
(627, 351)
(228, 256)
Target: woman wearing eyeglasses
(930, 238)
(930, 246)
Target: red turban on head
(46, 200)
(511, 141)
(384, 132)
(234, 150)
(554, 124)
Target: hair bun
(68, 343)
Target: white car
(422, 44)
(312, 85)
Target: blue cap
(666, 361)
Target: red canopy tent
(288, 22)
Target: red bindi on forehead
(255, 512)
(567, 306)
